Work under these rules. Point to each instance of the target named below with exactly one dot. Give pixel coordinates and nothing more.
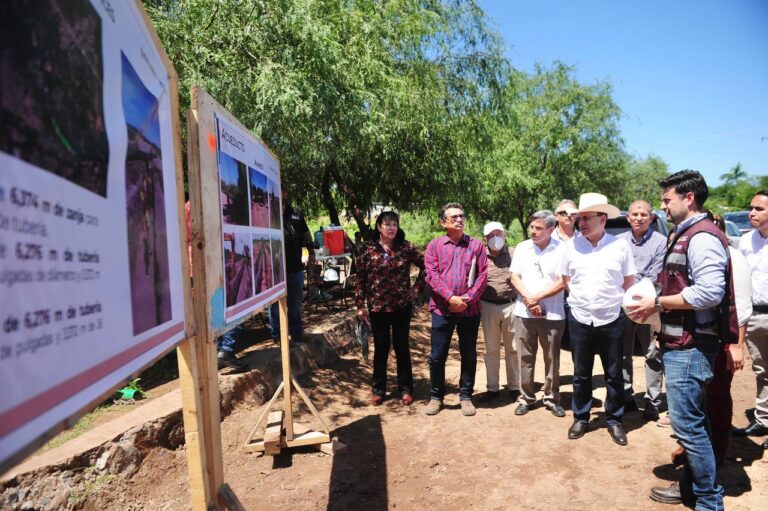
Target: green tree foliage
(737, 190)
(643, 181)
(549, 137)
(364, 101)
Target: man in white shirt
(539, 311)
(597, 268)
(754, 246)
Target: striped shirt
(448, 265)
(648, 253)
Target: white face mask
(496, 243)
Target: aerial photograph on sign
(274, 205)
(51, 78)
(237, 267)
(145, 200)
(234, 190)
(259, 199)
(277, 261)
(262, 263)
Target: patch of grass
(90, 487)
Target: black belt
(760, 309)
(495, 302)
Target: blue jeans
(294, 283)
(227, 340)
(688, 372)
(440, 341)
(605, 340)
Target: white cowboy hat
(492, 226)
(598, 203)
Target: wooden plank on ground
(309, 438)
(273, 432)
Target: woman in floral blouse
(384, 295)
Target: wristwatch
(659, 307)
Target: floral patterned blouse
(383, 278)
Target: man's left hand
(734, 359)
(643, 309)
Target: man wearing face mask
(496, 304)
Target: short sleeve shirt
(596, 277)
(755, 249)
(538, 269)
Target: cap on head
(492, 226)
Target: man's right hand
(457, 304)
(362, 314)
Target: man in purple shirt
(648, 248)
(457, 270)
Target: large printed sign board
(251, 219)
(91, 284)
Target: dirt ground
(399, 458)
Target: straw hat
(597, 203)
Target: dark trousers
(720, 404)
(391, 328)
(442, 331)
(586, 342)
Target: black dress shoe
(669, 495)
(489, 396)
(556, 409)
(753, 429)
(228, 359)
(765, 444)
(630, 406)
(650, 412)
(577, 429)
(522, 408)
(618, 434)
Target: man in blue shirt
(648, 248)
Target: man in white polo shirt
(539, 311)
(754, 246)
(597, 268)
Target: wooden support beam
(273, 432)
(285, 353)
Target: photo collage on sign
(252, 227)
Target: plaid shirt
(447, 265)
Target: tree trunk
(357, 212)
(325, 190)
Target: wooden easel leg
(285, 353)
(200, 412)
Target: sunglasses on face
(453, 218)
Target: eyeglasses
(585, 218)
(563, 213)
(389, 226)
(453, 218)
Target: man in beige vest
(496, 305)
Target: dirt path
(399, 458)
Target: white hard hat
(330, 275)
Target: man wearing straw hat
(597, 268)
